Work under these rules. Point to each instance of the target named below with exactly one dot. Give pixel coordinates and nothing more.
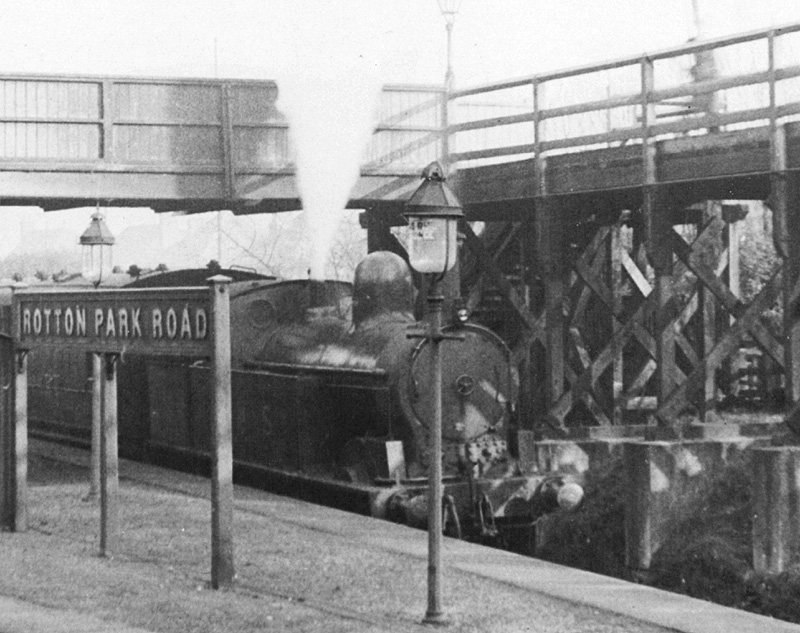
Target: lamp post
(96, 243)
(449, 9)
(433, 212)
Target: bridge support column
(529, 402)
(708, 306)
(658, 224)
(615, 249)
(785, 202)
(553, 269)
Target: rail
(701, 88)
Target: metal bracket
(110, 362)
(21, 355)
(416, 332)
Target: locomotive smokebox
(382, 286)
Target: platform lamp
(433, 212)
(96, 243)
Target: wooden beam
(222, 568)
(490, 268)
(709, 312)
(379, 234)
(715, 285)
(593, 280)
(553, 269)
(678, 399)
(588, 398)
(21, 444)
(7, 403)
(109, 461)
(528, 400)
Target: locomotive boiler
(331, 394)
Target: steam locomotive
(331, 391)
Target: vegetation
(41, 264)
(276, 245)
(592, 538)
(707, 556)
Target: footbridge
(611, 195)
(184, 144)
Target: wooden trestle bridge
(611, 196)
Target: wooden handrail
(691, 112)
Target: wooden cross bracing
(534, 327)
(604, 272)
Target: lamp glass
(97, 263)
(433, 246)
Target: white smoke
(330, 100)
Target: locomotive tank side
(348, 366)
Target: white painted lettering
(136, 328)
(57, 314)
(69, 321)
(172, 323)
(122, 322)
(200, 324)
(98, 320)
(47, 312)
(111, 328)
(158, 330)
(37, 321)
(26, 321)
(186, 324)
(80, 321)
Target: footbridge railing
(732, 83)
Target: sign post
(13, 426)
(97, 423)
(222, 475)
(109, 457)
(187, 322)
(8, 370)
(21, 443)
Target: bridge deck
(733, 165)
(69, 141)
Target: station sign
(173, 321)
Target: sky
(402, 41)
(383, 41)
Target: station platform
(300, 567)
